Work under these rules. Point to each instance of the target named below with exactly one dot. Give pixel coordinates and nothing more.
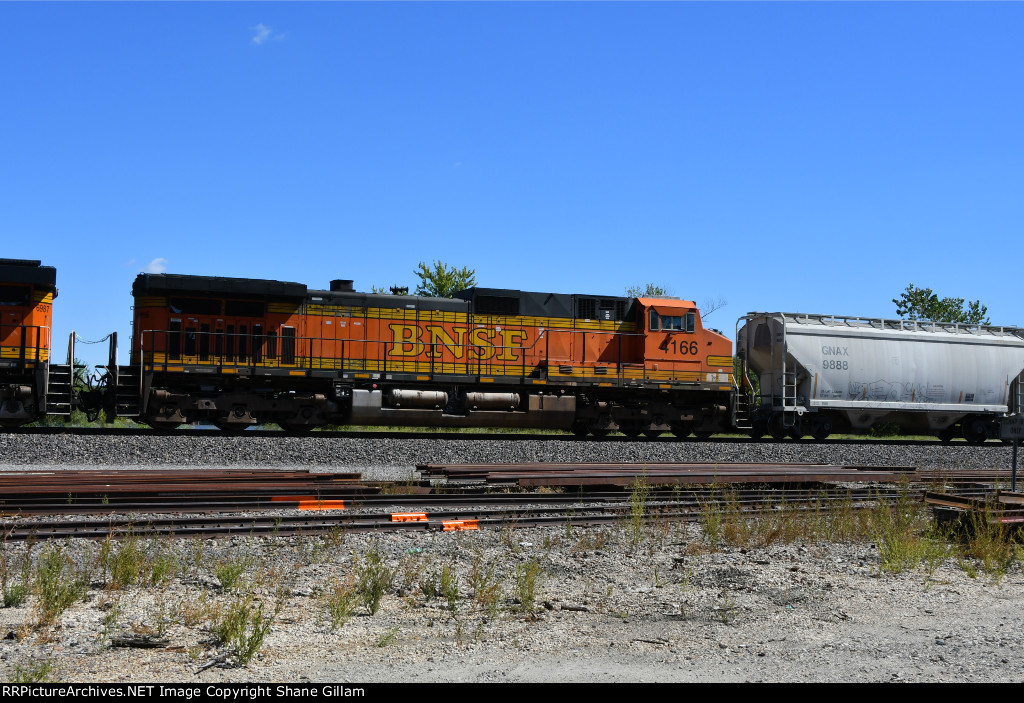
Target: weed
(15, 595)
(341, 600)
(33, 672)
(711, 520)
(527, 575)
(486, 587)
(388, 637)
(375, 578)
(57, 584)
(990, 544)
(126, 564)
(727, 610)
(243, 628)
(229, 571)
(411, 571)
(164, 567)
(896, 530)
(450, 587)
(639, 494)
(194, 610)
(110, 620)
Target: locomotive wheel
(228, 428)
(296, 429)
(579, 428)
(653, 434)
(703, 435)
(631, 429)
(681, 430)
(163, 425)
(756, 433)
(600, 434)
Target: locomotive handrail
(39, 353)
(190, 346)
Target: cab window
(14, 295)
(677, 323)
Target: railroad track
(470, 497)
(471, 436)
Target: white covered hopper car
(818, 374)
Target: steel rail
(471, 436)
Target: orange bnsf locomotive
(30, 386)
(238, 352)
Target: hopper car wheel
(681, 430)
(775, 426)
(974, 431)
(795, 432)
(579, 428)
(756, 433)
(631, 429)
(946, 435)
(822, 429)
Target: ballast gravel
(609, 605)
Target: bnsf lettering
(461, 342)
(834, 351)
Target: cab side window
(653, 324)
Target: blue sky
(812, 157)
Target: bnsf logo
(462, 342)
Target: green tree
(442, 281)
(922, 304)
(646, 291)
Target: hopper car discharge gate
(817, 374)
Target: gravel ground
(608, 606)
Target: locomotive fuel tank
(821, 373)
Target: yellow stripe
(720, 361)
(287, 308)
(30, 353)
(425, 316)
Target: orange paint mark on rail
(310, 502)
(408, 517)
(460, 525)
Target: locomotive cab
(29, 386)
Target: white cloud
(158, 265)
(262, 33)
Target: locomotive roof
(532, 303)
(384, 300)
(148, 283)
(27, 271)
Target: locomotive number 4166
(682, 348)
